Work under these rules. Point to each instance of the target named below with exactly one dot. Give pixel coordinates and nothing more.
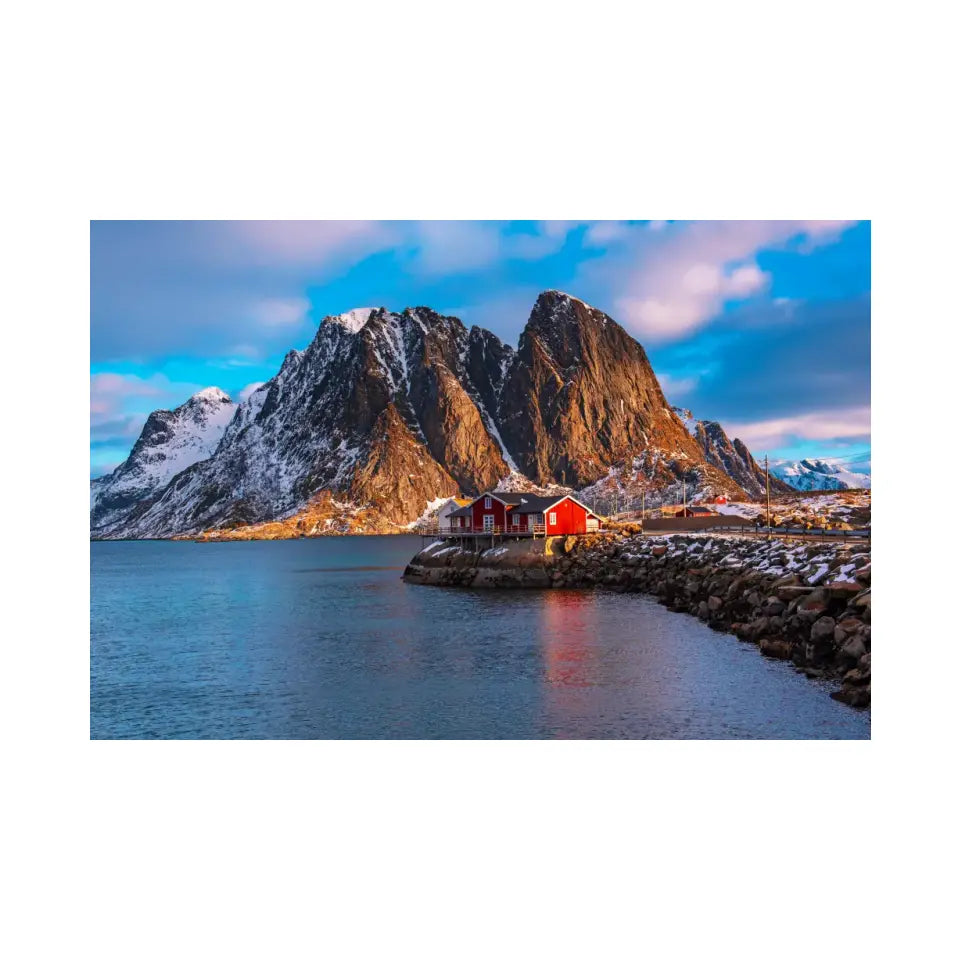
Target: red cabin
(524, 514)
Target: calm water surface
(322, 639)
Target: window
(516, 519)
(553, 518)
(487, 522)
(487, 503)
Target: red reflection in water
(568, 629)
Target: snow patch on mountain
(824, 473)
(353, 321)
(170, 442)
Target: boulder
(776, 648)
(853, 696)
(789, 593)
(812, 606)
(823, 629)
(843, 590)
(853, 649)
(714, 604)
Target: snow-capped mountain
(733, 458)
(171, 441)
(389, 411)
(825, 473)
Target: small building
(524, 514)
(688, 512)
(444, 521)
(720, 500)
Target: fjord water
(322, 639)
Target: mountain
(733, 458)
(171, 441)
(825, 473)
(384, 412)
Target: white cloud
(843, 424)
(465, 246)
(455, 246)
(674, 387)
(281, 312)
(603, 233)
(682, 278)
(248, 389)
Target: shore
(808, 603)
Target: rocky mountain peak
(207, 396)
(386, 412)
(353, 321)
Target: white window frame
(516, 519)
(488, 519)
(553, 518)
(487, 503)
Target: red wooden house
(524, 514)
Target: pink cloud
(308, 242)
(110, 393)
(685, 274)
(843, 424)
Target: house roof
(534, 504)
(521, 503)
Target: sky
(763, 325)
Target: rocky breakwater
(807, 603)
(802, 602)
(513, 563)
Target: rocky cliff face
(733, 458)
(580, 395)
(388, 411)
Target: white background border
(734, 110)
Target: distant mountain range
(384, 413)
(825, 473)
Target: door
(488, 523)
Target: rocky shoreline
(808, 603)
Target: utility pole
(766, 470)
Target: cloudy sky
(763, 325)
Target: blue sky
(763, 325)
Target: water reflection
(568, 627)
